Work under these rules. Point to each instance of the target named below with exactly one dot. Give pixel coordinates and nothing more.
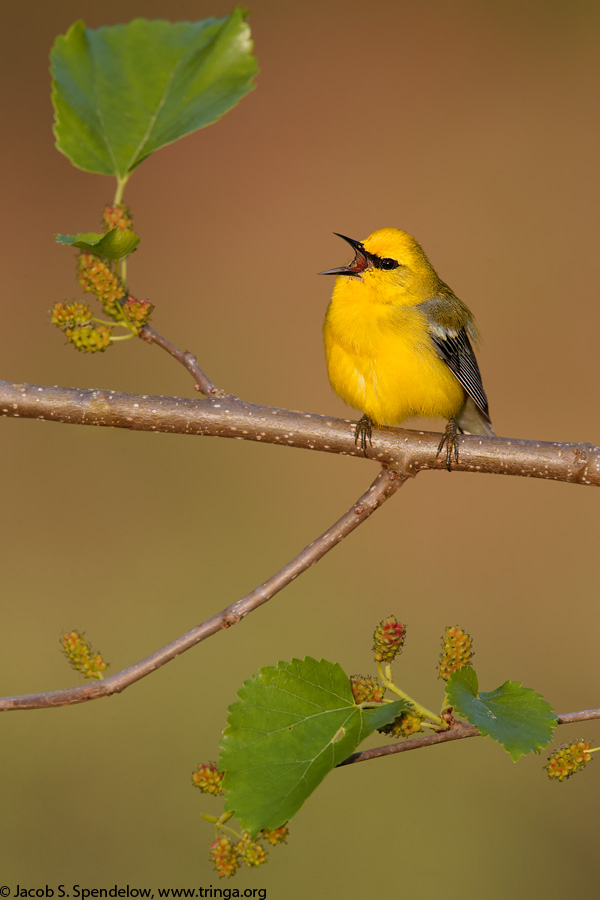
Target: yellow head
(389, 267)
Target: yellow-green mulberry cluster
(118, 216)
(388, 639)
(567, 760)
(251, 852)
(224, 857)
(97, 277)
(402, 726)
(366, 690)
(228, 857)
(89, 338)
(75, 320)
(208, 778)
(275, 835)
(137, 312)
(457, 650)
(81, 656)
(69, 315)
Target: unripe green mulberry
(137, 312)
(366, 690)
(89, 339)
(402, 726)
(68, 315)
(275, 835)
(208, 778)
(251, 852)
(118, 216)
(224, 857)
(568, 759)
(96, 276)
(81, 656)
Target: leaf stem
(121, 182)
(220, 822)
(106, 322)
(422, 711)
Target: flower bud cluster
(81, 656)
(97, 275)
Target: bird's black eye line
(386, 263)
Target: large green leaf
(293, 723)
(121, 92)
(516, 717)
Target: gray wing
(455, 349)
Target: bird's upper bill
(362, 259)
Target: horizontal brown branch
(407, 451)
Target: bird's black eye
(387, 263)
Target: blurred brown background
(473, 126)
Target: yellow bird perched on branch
(398, 342)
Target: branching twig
(202, 382)
(405, 451)
(458, 731)
(386, 484)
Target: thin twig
(386, 484)
(226, 416)
(202, 382)
(458, 731)
(582, 716)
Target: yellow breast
(381, 360)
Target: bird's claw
(450, 439)
(363, 432)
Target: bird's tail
(472, 420)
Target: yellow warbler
(397, 341)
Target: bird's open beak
(358, 264)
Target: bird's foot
(450, 439)
(363, 432)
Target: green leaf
(121, 92)
(515, 716)
(294, 722)
(115, 244)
